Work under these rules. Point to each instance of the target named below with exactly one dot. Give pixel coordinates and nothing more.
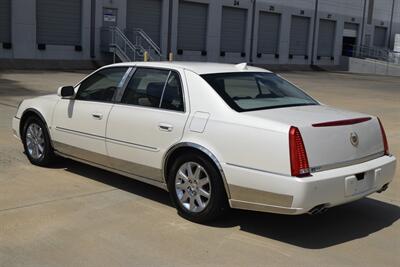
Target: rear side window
(172, 97)
(154, 88)
(247, 91)
(102, 85)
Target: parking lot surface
(76, 215)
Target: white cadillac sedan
(213, 135)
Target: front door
(79, 124)
(149, 120)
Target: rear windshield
(248, 91)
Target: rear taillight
(384, 139)
(298, 154)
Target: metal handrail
(114, 40)
(123, 37)
(122, 52)
(378, 53)
(147, 38)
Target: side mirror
(66, 91)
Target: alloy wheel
(35, 141)
(193, 187)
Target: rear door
(233, 29)
(326, 38)
(79, 124)
(59, 22)
(149, 119)
(299, 35)
(145, 15)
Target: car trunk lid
(332, 137)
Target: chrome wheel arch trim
(37, 113)
(201, 149)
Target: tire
(36, 141)
(189, 192)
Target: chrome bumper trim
(346, 163)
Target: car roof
(197, 67)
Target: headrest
(155, 89)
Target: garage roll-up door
(299, 35)
(326, 38)
(268, 32)
(58, 22)
(233, 29)
(5, 21)
(350, 30)
(145, 15)
(192, 26)
(380, 36)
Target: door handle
(97, 116)
(165, 127)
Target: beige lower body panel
(240, 197)
(253, 199)
(238, 204)
(139, 172)
(258, 196)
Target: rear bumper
(263, 191)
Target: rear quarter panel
(233, 137)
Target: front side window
(102, 85)
(154, 88)
(249, 91)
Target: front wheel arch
(30, 112)
(187, 147)
(47, 155)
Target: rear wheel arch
(186, 147)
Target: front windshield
(247, 91)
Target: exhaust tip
(383, 188)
